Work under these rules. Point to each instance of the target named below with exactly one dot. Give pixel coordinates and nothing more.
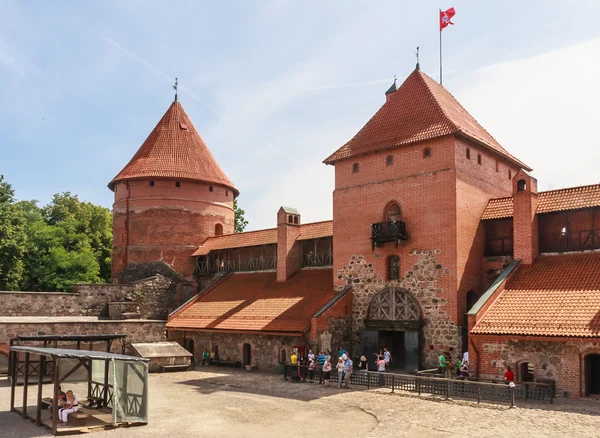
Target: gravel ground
(241, 404)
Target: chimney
(288, 250)
(525, 220)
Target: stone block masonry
(421, 281)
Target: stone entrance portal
(394, 322)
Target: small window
(393, 267)
(355, 167)
(393, 213)
(479, 159)
(497, 166)
(468, 154)
(210, 188)
(295, 219)
(218, 230)
(426, 152)
(521, 185)
(177, 184)
(509, 174)
(389, 160)
(183, 126)
(290, 219)
(151, 183)
(226, 192)
(563, 231)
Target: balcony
(382, 232)
(261, 263)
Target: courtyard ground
(237, 403)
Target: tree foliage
(53, 247)
(240, 221)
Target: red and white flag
(446, 18)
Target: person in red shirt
(509, 375)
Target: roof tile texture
(309, 231)
(558, 295)
(174, 149)
(421, 109)
(571, 198)
(256, 302)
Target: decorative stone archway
(394, 321)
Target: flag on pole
(446, 18)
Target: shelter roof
(570, 198)
(160, 349)
(174, 149)
(421, 109)
(76, 354)
(256, 302)
(88, 338)
(558, 295)
(268, 236)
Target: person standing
(387, 356)
(205, 357)
(363, 366)
(458, 366)
(509, 375)
(381, 368)
(340, 370)
(443, 364)
(464, 369)
(320, 363)
(311, 369)
(326, 373)
(348, 371)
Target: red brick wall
(288, 250)
(166, 222)
(525, 220)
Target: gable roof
(421, 109)
(268, 236)
(257, 302)
(174, 149)
(571, 198)
(558, 295)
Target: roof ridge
(570, 188)
(440, 107)
(317, 222)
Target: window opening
(497, 166)
(210, 188)
(468, 154)
(355, 167)
(527, 372)
(226, 192)
(177, 184)
(393, 213)
(509, 174)
(218, 230)
(479, 159)
(521, 185)
(426, 152)
(389, 160)
(151, 183)
(295, 219)
(290, 219)
(393, 267)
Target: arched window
(295, 219)
(290, 219)
(393, 267)
(521, 185)
(355, 167)
(218, 230)
(393, 212)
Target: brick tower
(410, 189)
(169, 198)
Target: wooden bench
(167, 368)
(229, 363)
(78, 418)
(97, 401)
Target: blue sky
(275, 87)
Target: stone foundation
(439, 331)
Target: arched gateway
(394, 321)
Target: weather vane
(175, 88)
(418, 67)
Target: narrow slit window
(177, 184)
(509, 174)
(479, 159)
(151, 184)
(210, 189)
(355, 168)
(390, 160)
(468, 154)
(426, 152)
(497, 167)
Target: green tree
(13, 239)
(240, 221)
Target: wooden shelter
(117, 388)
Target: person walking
(348, 371)
(326, 373)
(340, 370)
(387, 356)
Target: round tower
(169, 198)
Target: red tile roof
(558, 295)
(420, 110)
(256, 302)
(309, 231)
(571, 198)
(174, 149)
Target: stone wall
(154, 297)
(493, 267)
(439, 332)
(265, 349)
(136, 330)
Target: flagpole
(439, 24)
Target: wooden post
(89, 377)
(55, 394)
(38, 417)
(106, 369)
(393, 382)
(25, 383)
(13, 378)
(79, 345)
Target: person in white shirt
(387, 356)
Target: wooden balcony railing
(235, 265)
(317, 259)
(393, 231)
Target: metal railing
(388, 232)
(446, 387)
(236, 265)
(317, 259)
